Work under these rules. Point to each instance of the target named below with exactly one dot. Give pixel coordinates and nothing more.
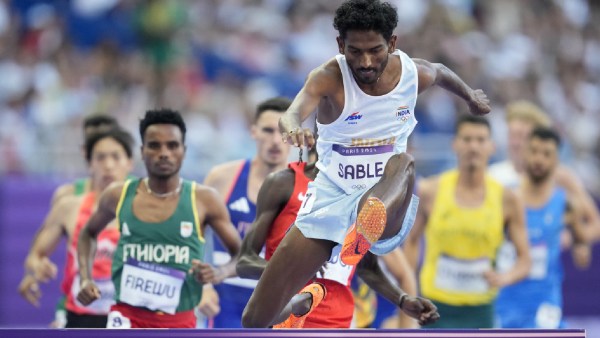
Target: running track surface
(175, 333)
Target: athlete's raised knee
(404, 159)
(400, 163)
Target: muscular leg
(294, 263)
(299, 305)
(394, 189)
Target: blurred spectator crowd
(213, 60)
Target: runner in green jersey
(158, 270)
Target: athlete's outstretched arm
(86, 247)
(431, 74)
(217, 217)
(398, 266)
(217, 178)
(38, 266)
(320, 83)
(50, 234)
(272, 198)
(585, 202)
(419, 308)
(514, 217)
(581, 249)
(65, 190)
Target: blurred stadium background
(213, 60)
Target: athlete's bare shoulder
(224, 171)
(331, 68)
(427, 73)
(281, 177)
(325, 79)
(221, 176)
(567, 179)
(67, 203)
(76, 187)
(424, 67)
(207, 196)
(421, 63)
(205, 190)
(64, 190)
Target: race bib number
(548, 316)
(116, 320)
(309, 200)
(358, 168)
(539, 261)
(152, 286)
(107, 295)
(458, 275)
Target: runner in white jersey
(362, 197)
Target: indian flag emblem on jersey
(402, 113)
(186, 229)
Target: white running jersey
(505, 173)
(354, 149)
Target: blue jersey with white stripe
(234, 293)
(543, 285)
(241, 210)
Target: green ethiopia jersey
(151, 264)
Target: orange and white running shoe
(318, 292)
(367, 229)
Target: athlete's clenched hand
(421, 309)
(89, 292)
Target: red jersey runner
(337, 308)
(287, 216)
(101, 271)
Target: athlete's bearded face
(541, 158)
(269, 144)
(367, 54)
(163, 150)
(473, 146)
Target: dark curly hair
(162, 116)
(366, 15)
